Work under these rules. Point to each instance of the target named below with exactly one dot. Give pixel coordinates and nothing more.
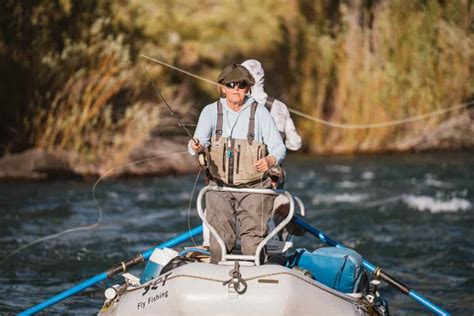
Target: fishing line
(332, 124)
(180, 124)
(180, 70)
(99, 219)
(190, 202)
(382, 124)
(261, 204)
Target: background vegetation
(72, 78)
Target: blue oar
(378, 273)
(107, 274)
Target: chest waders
(231, 161)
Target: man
(242, 142)
(279, 112)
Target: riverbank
(160, 155)
(155, 156)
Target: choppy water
(411, 214)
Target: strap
(230, 155)
(251, 130)
(236, 280)
(220, 120)
(293, 260)
(269, 103)
(283, 136)
(221, 183)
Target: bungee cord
(335, 124)
(99, 209)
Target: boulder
(455, 133)
(35, 163)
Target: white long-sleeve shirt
(285, 124)
(279, 110)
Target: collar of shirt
(247, 102)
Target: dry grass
(82, 119)
(401, 65)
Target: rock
(154, 156)
(455, 133)
(151, 157)
(35, 164)
(160, 156)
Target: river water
(411, 214)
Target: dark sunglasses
(240, 85)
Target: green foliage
(345, 61)
(45, 43)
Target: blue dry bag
(338, 268)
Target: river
(412, 214)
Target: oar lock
(377, 272)
(122, 268)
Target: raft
(239, 284)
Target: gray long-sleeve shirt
(235, 124)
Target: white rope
(329, 123)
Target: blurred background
(73, 80)
(77, 103)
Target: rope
(329, 123)
(305, 279)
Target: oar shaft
(104, 275)
(65, 294)
(372, 268)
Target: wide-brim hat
(235, 73)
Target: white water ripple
(352, 198)
(433, 205)
(431, 180)
(347, 184)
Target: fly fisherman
(242, 142)
(280, 114)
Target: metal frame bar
(256, 257)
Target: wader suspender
(268, 105)
(220, 119)
(251, 130)
(229, 146)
